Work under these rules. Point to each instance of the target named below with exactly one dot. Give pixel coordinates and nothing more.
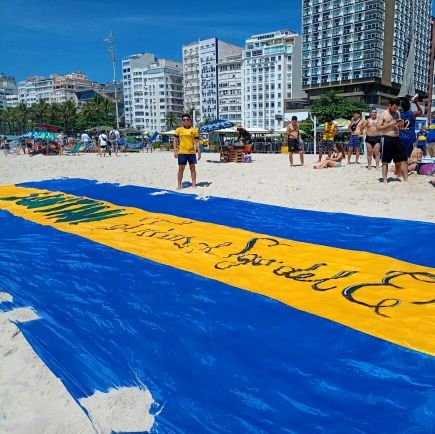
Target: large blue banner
(215, 358)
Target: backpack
(112, 135)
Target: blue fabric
(215, 358)
(390, 237)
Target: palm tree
(23, 115)
(171, 121)
(68, 113)
(12, 118)
(40, 111)
(53, 113)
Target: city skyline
(53, 38)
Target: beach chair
(73, 150)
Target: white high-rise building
(368, 50)
(230, 88)
(271, 75)
(200, 60)
(153, 88)
(54, 89)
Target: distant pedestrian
(114, 140)
(96, 137)
(23, 145)
(186, 144)
(5, 146)
(104, 143)
(85, 139)
(60, 142)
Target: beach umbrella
(217, 124)
(30, 134)
(45, 135)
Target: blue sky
(56, 36)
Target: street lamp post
(111, 50)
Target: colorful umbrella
(217, 124)
(45, 135)
(30, 134)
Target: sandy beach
(268, 179)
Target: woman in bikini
(373, 139)
(335, 160)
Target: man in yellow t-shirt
(186, 144)
(327, 143)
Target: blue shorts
(422, 145)
(354, 141)
(183, 159)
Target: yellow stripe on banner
(378, 295)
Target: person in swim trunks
(293, 140)
(373, 139)
(389, 123)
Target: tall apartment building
(54, 89)
(367, 50)
(271, 75)
(230, 88)
(153, 88)
(200, 70)
(8, 88)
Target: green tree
(39, 111)
(23, 115)
(53, 114)
(171, 121)
(335, 106)
(68, 113)
(306, 126)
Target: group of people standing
(389, 137)
(105, 142)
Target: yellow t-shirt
(330, 130)
(186, 139)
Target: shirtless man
(389, 124)
(373, 139)
(293, 136)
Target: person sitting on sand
(334, 161)
(415, 160)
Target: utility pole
(109, 40)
